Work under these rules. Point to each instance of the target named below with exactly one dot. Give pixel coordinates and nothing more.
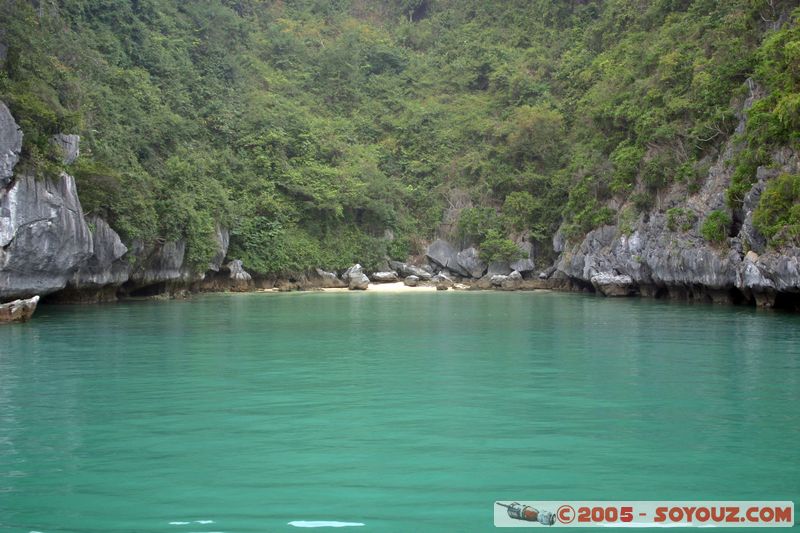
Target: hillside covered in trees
(316, 130)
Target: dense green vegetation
(311, 127)
(778, 214)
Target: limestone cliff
(655, 257)
(47, 244)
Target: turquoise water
(404, 412)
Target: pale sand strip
(389, 287)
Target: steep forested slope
(311, 127)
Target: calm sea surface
(403, 412)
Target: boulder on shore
(609, 284)
(442, 282)
(411, 281)
(358, 282)
(469, 259)
(384, 277)
(18, 310)
(410, 270)
(329, 279)
(353, 271)
(444, 255)
(512, 281)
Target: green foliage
(497, 247)
(777, 216)
(474, 223)
(309, 128)
(680, 219)
(715, 227)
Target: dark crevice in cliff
(787, 301)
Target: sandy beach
(388, 287)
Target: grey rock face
(329, 279)
(43, 236)
(470, 261)
(512, 282)
(68, 145)
(102, 267)
(442, 281)
(238, 273)
(223, 238)
(498, 280)
(10, 144)
(18, 310)
(158, 263)
(358, 282)
(384, 277)
(609, 284)
(353, 271)
(411, 281)
(498, 268)
(444, 255)
(653, 256)
(410, 270)
(525, 263)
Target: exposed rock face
(69, 146)
(329, 279)
(102, 267)
(354, 270)
(240, 278)
(442, 282)
(498, 268)
(411, 281)
(43, 236)
(444, 255)
(358, 282)
(18, 310)
(223, 238)
(525, 263)
(384, 277)
(470, 261)
(512, 282)
(679, 262)
(609, 284)
(498, 280)
(158, 263)
(10, 144)
(410, 270)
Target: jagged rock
(238, 273)
(358, 282)
(498, 268)
(525, 263)
(10, 145)
(102, 267)
(43, 236)
(68, 145)
(545, 274)
(410, 270)
(411, 281)
(442, 253)
(497, 280)
(222, 237)
(470, 261)
(18, 310)
(354, 270)
(559, 240)
(512, 282)
(609, 284)
(384, 277)
(329, 279)
(442, 282)
(158, 263)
